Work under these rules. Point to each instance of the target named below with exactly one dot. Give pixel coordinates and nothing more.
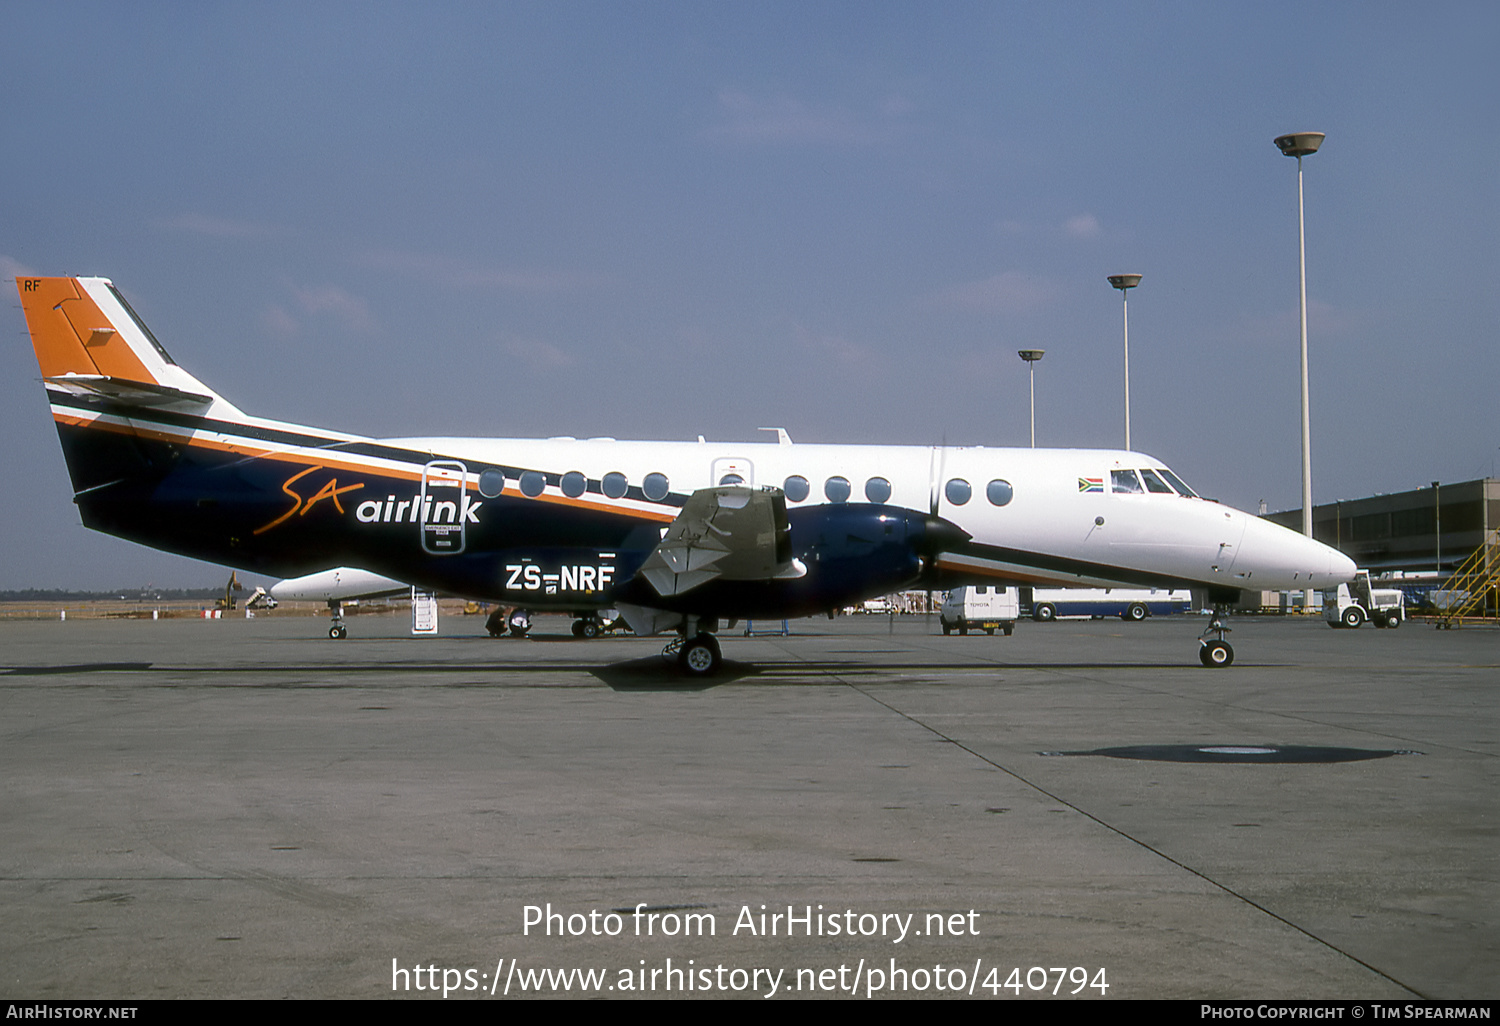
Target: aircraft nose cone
(1280, 558)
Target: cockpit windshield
(1176, 482)
(1157, 481)
(1154, 483)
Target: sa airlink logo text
(415, 510)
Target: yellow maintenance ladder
(1472, 587)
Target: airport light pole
(1031, 356)
(1437, 529)
(1299, 145)
(1125, 282)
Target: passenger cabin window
(796, 488)
(656, 487)
(532, 483)
(615, 485)
(491, 483)
(574, 484)
(1154, 483)
(958, 491)
(999, 492)
(837, 489)
(878, 489)
(1124, 482)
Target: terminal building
(1431, 530)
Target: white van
(981, 608)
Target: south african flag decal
(1091, 484)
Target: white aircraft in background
(679, 536)
(334, 588)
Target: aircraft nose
(1340, 566)
(1281, 558)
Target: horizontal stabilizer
(134, 393)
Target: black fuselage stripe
(353, 447)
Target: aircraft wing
(731, 532)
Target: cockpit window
(1176, 482)
(1124, 481)
(1155, 483)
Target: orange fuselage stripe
(322, 460)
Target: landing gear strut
(696, 652)
(336, 629)
(1215, 651)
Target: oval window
(837, 489)
(532, 483)
(958, 491)
(878, 489)
(796, 488)
(614, 484)
(491, 483)
(574, 484)
(999, 492)
(731, 479)
(656, 487)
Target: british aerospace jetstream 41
(678, 536)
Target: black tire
(1044, 613)
(963, 628)
(588, 629)
(1009, 629)
(1352, 617)
(700, 656)
(338, 633)
(990, 631)
(1214, 654)
(1393, 620)
(947, 630)
(1135, 612)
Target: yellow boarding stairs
(1472, 586)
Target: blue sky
(656, 220)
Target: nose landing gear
(336, 629)
(1215, 651)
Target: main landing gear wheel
(338, 632)
(700, 656)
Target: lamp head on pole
(1300, 144)
(1124, 281)
(1031, 355)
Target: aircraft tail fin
(89, 342)
(103, 370)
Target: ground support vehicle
(982, 608)
(1350, 605)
